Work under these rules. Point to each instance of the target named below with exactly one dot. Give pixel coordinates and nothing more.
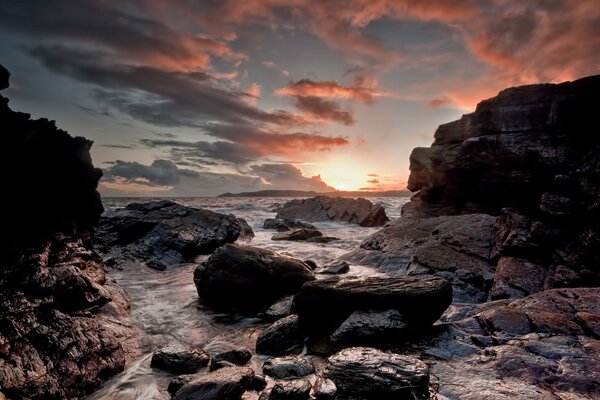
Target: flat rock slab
(165, 232)
(248, 279)
(179, 358)
(327, 303)
(368, 373)
(322, 208)
(370, 328)
(224, 384)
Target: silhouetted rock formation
(323, 208)
(63, 323)
(164, 233)
(508, 208)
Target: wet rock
(324, 389)
(157, 265)
(64, 324)
(247, 278)
(298, 235)
(224, 384)
(370, 328)
(336, 267)
(257, 383)
(178, 382)
(323, 208)
(288, 367)
(516, 277)
(180, 359)
(283, 225)
(325, 304)
(322, 239)
(279, 309)
(298, 389)
(166, 232)
(281, 338)
(235, 355)
(311, 264)
(217, 365)
(372, 374)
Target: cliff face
(63, 323)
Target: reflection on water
(165, 304)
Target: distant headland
(305, 193)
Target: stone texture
(165, 232)
(370, 328)
(283, 337)
(298, 389)
(283, 225)
(372, 374)
(224, 384)
(179, 358)
(288, 367)
(322, 208)
(247, 278)
(516, 277)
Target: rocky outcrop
(64, 325)
(322, 208)
(165, 233)
(248, 279)
(366, 373)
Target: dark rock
(336, 267)
(217, 365)
(372, 374)
(322, 208)
(166, 232)
(246, 278)
(236, 355)
(516, 277)
(180, 359)
(282, 225)
(322, 239)
(298, 389)
(324, 304)
(311, 264)
(257, 383)
(288, 367)
(279, 309)
(157, 265)
(282, 338)
(178, 382)
(298, 235)
(64, 324)
(224, 384)
(324, 389)
(370, 328)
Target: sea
(165, 305)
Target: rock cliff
(63, 323)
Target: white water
(165, 304)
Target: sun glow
(344, 176)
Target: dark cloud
(373, 181)
(287, 176)
(439, 102)
(325, 110)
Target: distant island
(304, 193)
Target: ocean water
(165, 305)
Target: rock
(372, 374)
(324, 389)
(157, 265)
(279, 309)
(298, 389)
(322, 239)
(64, 324)
(336, 267)
(180, 359)
(235, 355)
(165, 232)
(311, 264)
(297, 235)
(281, 338)
(178, 382)
(370, 328)
(257, 383)
(322, 208)
(283, 225)
(224, 384)
(245, 278)
(217, 365)
(288, 367)
(516, 277)
(324, 304)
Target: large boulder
(245, 278)
(179, 359)
(224, 384)
(371, 328)
(325, 304)
(281, 338)
(368, 373)
(322, 208)
(64, 324)
(166, 232)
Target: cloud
(323, 110)
(276, 67)
(373, 181)
(363, 89)
(439, 102)
(165, 178)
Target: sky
(198, 98)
